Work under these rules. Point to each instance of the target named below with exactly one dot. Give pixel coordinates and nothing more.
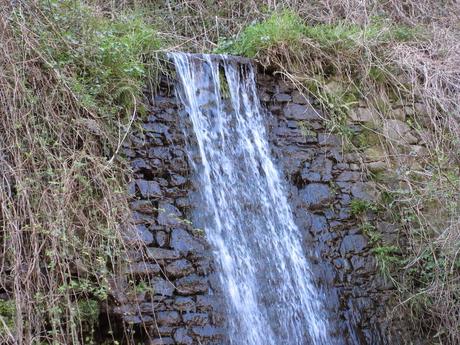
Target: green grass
(284, 28)
(7, 315)
(105, 61)
(288, 29)
(358, 207)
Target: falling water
(265, 277)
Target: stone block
(143, 206)
(182, 337)
(163, 254)
(398, 132)
(142, 268)
(300, 112)
(179, 268)
(162, 287)
(168, 215)
(167, 318)
(162, 238)
(149, 189)
(349, 176)
(184, 304)
(316, 195)
(353, 244)
(365, 115)
(196, 319)
(191, 285)
(183, 242)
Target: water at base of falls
(265, 276)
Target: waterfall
(265, 277)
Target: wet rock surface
(183, 291)
(165, 289)
(322, 181)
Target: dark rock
(149, 189)
(319, 170)
(292, 124)
(361, 190)
(129, 153)
(182, 338)
(300, 112)
(142, 268)
(342, 166)
(208, 332)
(345, 187)
(353, 243)
(163, 254)
(191, 285)
(185, 243)
(183, 202)
(139, 163)
(168, 215)
(160, 152)
(144, 206)
(342, 263)
(137, 319)
(117, 289)
(179, 164)
(141, 218)
(132, 255)
(310, 176)
(318, 223)
(179, 268)
(178, 180)
(125, 309)
(364, 264)
(203, 266)
(283, 97)
(155, 127)
(140, 233)
(163, 182)
(164, 331)
(167, 318)
(148, 307)
(344, 213)
(184, 304)
(196, 319)
(214, 282)
(206, 302)
(389, 232)
(132, 189)
(162, 287)
(348, 176)
(161, 238)
(316, 195)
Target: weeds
(71, 85)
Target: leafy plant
(359, 206)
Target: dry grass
(63, 205)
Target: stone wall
(323, 180)
(183, 305)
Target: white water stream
(265, 276)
